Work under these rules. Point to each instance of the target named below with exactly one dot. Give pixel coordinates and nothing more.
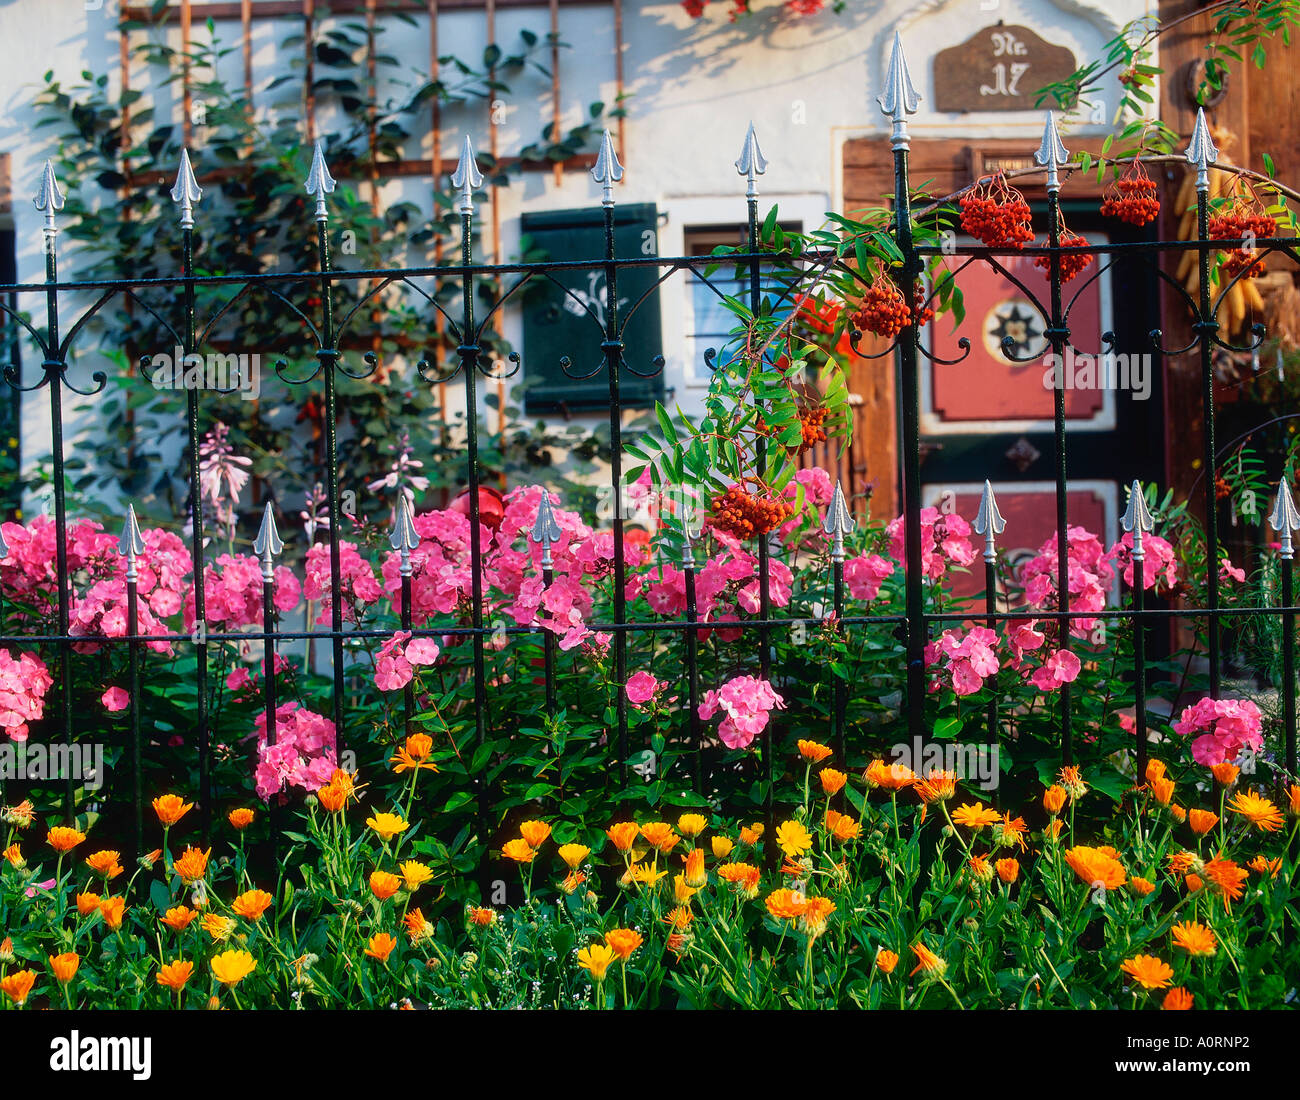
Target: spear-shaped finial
(466, 177)
(1051, 153)
(608, 171)
(186, 190)
(1285, 518)
(404, 538)
(268, 545)
(546, 529)
(1137, 518)
(1202, 151)
(49, 198)
(838, 523)
(989, 522)
(751, 163)
(130, 545)
(691, 530)
(899, 99)
(319, 181)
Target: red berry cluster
(1242, 222)
(1132, 197)
(1072, 263)
(996, 214)
(812, 422)
(885, 312)
(739, 513)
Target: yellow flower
(813, 752)
(535, 833)
(752, 834)
(793, 838)
(175, 974)
(64, 967)
(415, 874)
(1194, 938)
(384, 884)
(63, 839)
(217, 926)
(596, 960)
(1148, 971)
(573, 855)
(232, 967)
(643, 875)
(387, 825)
(518, 850)
(1259, 811)
(722, 846)
(683, 891)
(171, 808)
(692, 824)
(381, 946)
(252, 904)
(975, 816)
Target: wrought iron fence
(468, 364)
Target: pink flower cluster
(232, 592)
(747, 703)
(1089, 574)
(23, 683)
(1160, 565)
(641, 688)
(1226, 727)
(864, 575)
(399, 657)
(944, 542)
(357, 584)
(969, 660)
(303, 754)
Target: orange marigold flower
(63, 839)
(1193, 883)
(1265, 866)
(21, 815)
(414, 755)
(18, 985)
(1148, 971)
(1053, 830)
(813, 751)
(623, 835)
(217, 926)
(105, 863)
(332, 798)
(980, 868)
(417, 927)
(1163, 789)
(381, 945)
(696, 876)
(659, 834)
(1093, 866)
(1054, 799)
(1179, 814)
(1202, 821)
(1176, 1000)
(535, 833)
(692, 824)
(1182, 862)
(113, 910)
(786, 904)
(14, 856)
(842, 827)
(1227, 878)
(815, 915)
(572, 881)
(679, 918)
(251, 904)
(886, 961)
(676, 942)
(892, 777)
(975, 816)
(1225, 774)
(1008, 870)
(938, 786)
(175, 974)
(1293, 799)
(88, 903)
(1010, 831)
(1141, 887)
(928, 962)
(519, 850)
(178, 917)
(1155, 770)
(832, 781)
(752, 834)
(171, 808)
(192, 864)
(745, 876)
(384, 884)
(64, 967)
(232, 967)
(722, 846)
(1256, 809)
(1194, 938)
(623, 941)
(1070, 779)
(240, 818)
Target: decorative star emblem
(1008, 321)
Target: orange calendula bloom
(1293, 800)
(171, 808)
(18, 985)
(786, 904)
(387, 826)
(415, 874)
(752, 834)
(535, 833)
(745, 876)
(1141, 887)
(1177, 1000)
(842, 827)
(1008, 870)
(519, 850)
(1201, 821)
(980, 868)
(692, 824)
(722, 846)
(113, 910)
(928, 962)
(240, 818)
(892, 777)
(151, 858)
(1182, 862)
(1194, 938)
(88, 903)
(938, 786)
(14, 856)
(192, 864)
(1155, 770)
(1226, 877)
(659, 834)
(813, 752)
(975, 816)
(21, 815)
(596, 960)
(644, 875)
(63, 839)
(1070, 779)
(1148, 971)
(623, 941)
(1163, 789)
(1053, 830)
(696, 876)
(232, 967)
(1265, 866)
(1256, 809)
(178, 918)
(414, 755)
(380, 946)
(573, 855)
(1010, 831)
(1225, 774)
(1054, 799)
(417, 927)
(623, 835)
(679, 918)
(175, 974)
(1093, 866)
(1179, 814)
(105, 863)
(683, 891)
(832, 781)
(815, 915)
(64, 967)
(251, 904)
(332, 798)
(1193, 883)
(481, 915)
(886, 961)
(384, 884)
(217, 926)
(793, 839)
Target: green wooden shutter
(552, 328)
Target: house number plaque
(998, 68)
